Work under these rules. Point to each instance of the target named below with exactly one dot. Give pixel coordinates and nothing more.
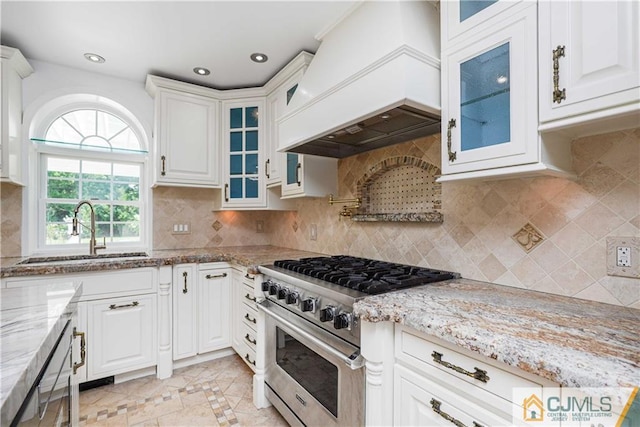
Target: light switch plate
(623, 256)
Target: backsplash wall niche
(575, 217)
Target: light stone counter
(31, 320)
(574, 342)
(246, 256)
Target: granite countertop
(573, 342)
(31, 320)
(246, 256)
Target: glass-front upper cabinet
(489, 98)
(458, 17)
(243, 151)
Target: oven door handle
(353, 361)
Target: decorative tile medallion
(528, 237)
(217, 225)
(217, 239)
(295, 226)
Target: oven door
(317, 376)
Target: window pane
(236, 141)
(72, 167)
(60, 130)
(292, 165)
(126, 232)
(128, 192)
(82, 120)
(96, 190)
(103, 230)
(103, 212)
(126, 213)
(63, 189)
(126, 173)
(109, 125)
(127, 140)
(252, 140)
(96, 170)
(236, 118)
(60, 234)
(251, 117)
(59, 212)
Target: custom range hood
(374, 81)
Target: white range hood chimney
(374, 81)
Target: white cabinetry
(592, 50)
(118, 312)
(245, 317)
(13, 68)
(121, 334)
(490, 111)
(202, 309)
(309, 176)
(186, 148)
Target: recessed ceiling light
(94, 58)
(259, 57)
(201, 71)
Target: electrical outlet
(259, 226)
(623, 256)
(181, 228)
(313, 232)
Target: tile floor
(216, 393)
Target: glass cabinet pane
(252, 188)
(236, 141)
(251, 119)
(252, 140)
(469, 8)
(292, 165)
(236, 118)
(235, 164)
(235, 188)
(485, 103)
(243, 153)
(252, 164)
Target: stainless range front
(313, 368)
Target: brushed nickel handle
(184, 290)
(250, 298)
(253, 362)
(246, 316)
(247, 276)
(226, 192)
(248, 338)
(558, 95)
(452, 154)
(115, 307)
(215, 276)
(266, 168)
(435, 406)
(298, 174)
(478, 374)
(163, 160)
(83, 350)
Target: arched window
(97, 155)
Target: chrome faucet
(93, 247)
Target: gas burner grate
(365, 275)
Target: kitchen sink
(86, 257)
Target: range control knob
(327, 313)
(309, 304)
(265, 285)
(282, 293)
(291, 297)
(273, 289)
(342, 321)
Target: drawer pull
(163, 160)
(253, 362)
(184, 289)
(435, 405)
(250, 298)
(83, 350)
(452, 154)
(246, 316)
(478, 374)
(250, 340)
(247, 276)
(215, 276)
(115, 307)
(558, 95)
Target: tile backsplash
(11, 219)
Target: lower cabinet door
(214, 307)
(420, 402)
(185, 319)
(121, 335)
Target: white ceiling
(170, 38)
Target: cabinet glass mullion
(243, 153)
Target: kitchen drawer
(100, 284)
(248, 296)
(249, 337)
(249, 356)
(249, 315)
(422, 353)
(249, 280)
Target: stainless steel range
(313, 362)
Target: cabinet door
(460, 18)
(187, 133)
(121, 335)
(244, 178)
(214, 302)
(272, 162)
(490, 97)
(185, 319)
(599, 66)
(421, 402)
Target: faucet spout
(93, 246)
